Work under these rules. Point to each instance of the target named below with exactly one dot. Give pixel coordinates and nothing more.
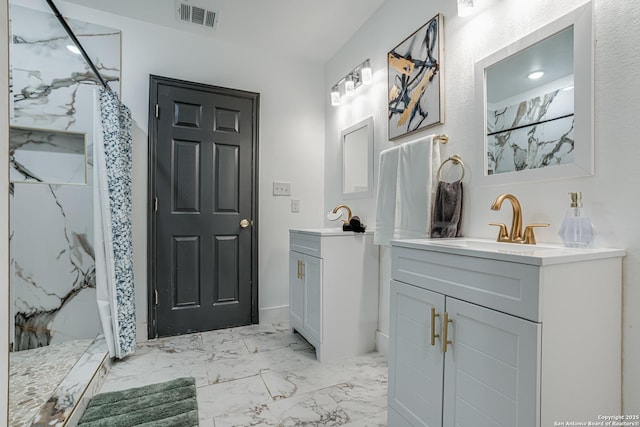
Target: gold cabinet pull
(445, 332)
(300, 269)
(433, 325)
(244, 223)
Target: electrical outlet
(295, 205)
(281, 188)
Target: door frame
(154, 82)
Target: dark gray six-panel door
(204, 235)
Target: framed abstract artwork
(416, 98)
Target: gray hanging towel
(447, 210)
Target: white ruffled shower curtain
(112, 222)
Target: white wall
(611, 195)
(290, 141)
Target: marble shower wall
(533, 133)
(52, 257)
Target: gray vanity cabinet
(502, 335)
(333, 290)
(488, 377)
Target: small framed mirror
(535, 104)
(357, 159)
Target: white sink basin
(492, 246)
(538, 254)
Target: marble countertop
(540, 254)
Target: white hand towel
(386, 197)
(417, 166)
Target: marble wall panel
(52, 258)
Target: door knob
(244, 223)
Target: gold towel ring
(456, 160)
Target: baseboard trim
(382, 343)
(274, 314)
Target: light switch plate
(295, 206)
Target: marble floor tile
(217, 399)
(226, 350)
(373, 420)
(313, 408)
(262, 375)
(277, 340)
(157, 365)
(242, 366)
(177, 344)
(251, 330)
(282, 326)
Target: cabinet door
(415, 366)
(296, 290)
(312, 272)
(490, 368)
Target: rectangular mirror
(535, 103)
(357, 159)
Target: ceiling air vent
(195, 14)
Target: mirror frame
(581, 19)
(368, 124)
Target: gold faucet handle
(529, 237)
(503, 234)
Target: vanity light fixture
(465, 7)
(347, 85)
(535, 75)
(73, 48)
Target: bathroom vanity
(486, 333)
(333, 290)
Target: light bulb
(365, 72)
(465, 7)
(335, 96)
(349, 86)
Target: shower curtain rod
(69, 31)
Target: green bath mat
(168, 404)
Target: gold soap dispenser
(576, 230)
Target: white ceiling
(308, 29)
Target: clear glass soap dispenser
(576, 229)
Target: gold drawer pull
(433, 326)
(445, 332)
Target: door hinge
(155, 204)
(156, 297)
(157, 111)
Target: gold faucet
(515, 235)
(349, 215)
